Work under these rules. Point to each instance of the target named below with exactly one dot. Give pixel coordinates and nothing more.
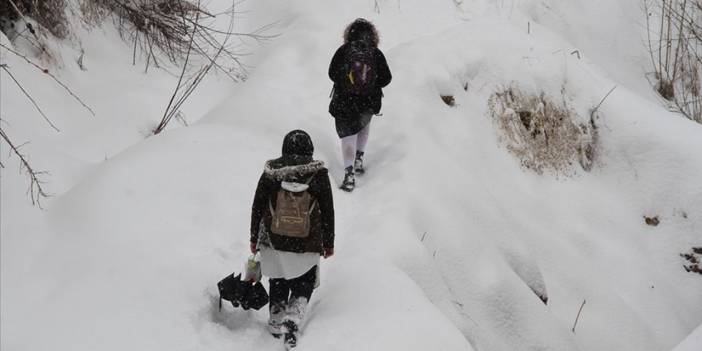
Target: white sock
(348, 149)
(362, 139)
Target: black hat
(298, 143)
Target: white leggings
(353, 143)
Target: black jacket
(346, 106)
(322, 217)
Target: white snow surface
(692, 342)
(444, 240)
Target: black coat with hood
(296, 165)
(344, 105)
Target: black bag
(244, 294)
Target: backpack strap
(312, 177)
(308, 183)
(270, 206)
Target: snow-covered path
(439, 247)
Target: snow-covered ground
(440, 245)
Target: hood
(361, 29)
(279, 171)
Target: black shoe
(349, 180)
(275, 320)
(358, 163)
(290, 340)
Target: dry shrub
(674, 29)
(33, 24)
(164, 25)
(49, 14)
(694, 260)
(176, 29)
(545, 136)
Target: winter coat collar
(281, 173)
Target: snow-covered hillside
(446, 237)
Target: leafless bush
(174, 28)
(179, 31)
(675, 42)
(184, 32)
(161, 24)
(49, 14)
(35, 23)
(542, 134)
(35, 190)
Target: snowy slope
(692, 342)
(439, 246)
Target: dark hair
(361, 29)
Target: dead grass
(543, 135)
(693, 260)
(49, 14)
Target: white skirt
(288, 265)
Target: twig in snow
(136, 40)
(605, 98)
(46, 71)
(80, 60)
(167, 115)
(594, 110)
(35, 190)
(578, 316)
(4, 67)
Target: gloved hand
(328, 252)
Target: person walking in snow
(359, 72)
(292, 224)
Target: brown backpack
(292, 214)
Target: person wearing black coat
(353, 112)
(292, 263)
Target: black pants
(283, 290)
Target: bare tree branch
(46, 71)
(166, 119)
(35, 191)
(190, 86)
(4, 67)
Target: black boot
(275, 320)
(349, 180)
(358, 163)
(291, 332)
